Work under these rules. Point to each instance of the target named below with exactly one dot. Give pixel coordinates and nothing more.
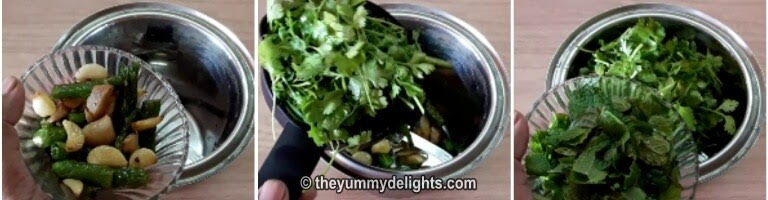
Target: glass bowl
(172, 133)
(556, 101)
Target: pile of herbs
(607, 146)
(683, 73)
(331, 63)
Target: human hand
(17, 182)
(274, 189)
(522, 191)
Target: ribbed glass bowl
(60, 67)
(556, 101)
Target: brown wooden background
(491, 18)
(31, 27)
(542, 25)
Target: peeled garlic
(106, 155)
(147, 123)
(91, 71)
(382, 146)
(142, 158)
(363, 157)
(43, 105)
(75, 137)
(75, 185)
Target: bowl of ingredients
(692, 60)
(596, 137)
(206, 64)
(98, 123)
(381, 91)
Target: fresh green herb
(331, 63)
(605, 147)
(683, 74)
(385, 160)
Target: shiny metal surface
(206, 64)
(714, 35)
(435, 154)
(479, 70)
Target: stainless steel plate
(206, 64)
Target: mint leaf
(628, 153)
(634, 193)
(633, 176)
(683, 71)
(611, 123)
(537, 164)
(585, 163)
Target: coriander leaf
(686, 114)
(311, 67)
(359, 17)
(374, 75)
(319, 32)
(274, 10)
(357, 140)
(344, 65)
(356, 87)
(318, 136)
(730, 124)
(269, 55)
(728, 105)
(332, 101)
(354, 50)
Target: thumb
(273, 190)
(13, 100)
(521, 136)
(522, 190)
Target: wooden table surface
(31, 27)
(542, 25)
(491, 18)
